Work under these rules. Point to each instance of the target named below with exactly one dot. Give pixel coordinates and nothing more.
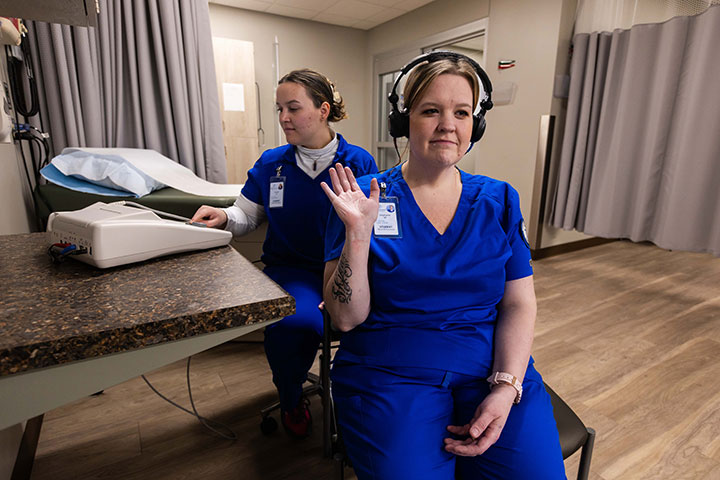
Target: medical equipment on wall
(107, 235)
(22, 105)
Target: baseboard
(569, 247)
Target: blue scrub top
(434, 297)
(296, 231)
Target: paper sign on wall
(234, 97)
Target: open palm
(356, 211)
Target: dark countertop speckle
(56, 313)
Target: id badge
(388, 221)
(277, 189)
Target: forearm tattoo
(341, 288)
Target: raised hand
(356, 211)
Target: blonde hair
(320, 89)
(424, 74)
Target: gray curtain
(641, 149)
(143, 78)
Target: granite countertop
(56, 313)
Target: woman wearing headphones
(283, 187)
(428, 274)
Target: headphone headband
(485, 104)
(398, 121)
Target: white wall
(535, 35)
(337, 52)
(510, 144)
(436, 17)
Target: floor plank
(628, 334)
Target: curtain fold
(641, 149)
(143, 78)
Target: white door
(235, 70)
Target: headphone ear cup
(478, 127)
(398, 124)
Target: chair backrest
(573, 433)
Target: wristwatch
(509, 379)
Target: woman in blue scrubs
(283, 187)
(428, 274)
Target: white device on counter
(115, 234)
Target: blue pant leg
(393, 421)
(291, 344)
(528, 447)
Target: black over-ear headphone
(399, 121)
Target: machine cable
(229, 434)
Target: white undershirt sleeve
(244, 216)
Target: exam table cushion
(54, 198)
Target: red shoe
(298, 422)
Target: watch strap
(505, 378)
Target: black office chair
(574, 435)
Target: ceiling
(361, 14)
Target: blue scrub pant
(292, 343)
(393, 422)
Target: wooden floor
(627, 334)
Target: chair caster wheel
(268, 425)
